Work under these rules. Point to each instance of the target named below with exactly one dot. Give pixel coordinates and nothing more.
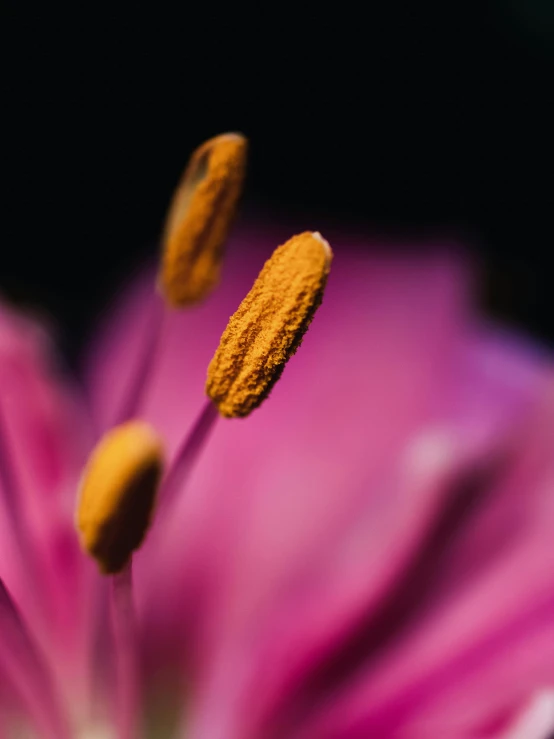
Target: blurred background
(410, 119)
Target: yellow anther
(199, 219)
(118, 494)
(269, 324)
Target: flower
(369, 553)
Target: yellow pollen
(118, 492)
(199, 219)
(269, 324)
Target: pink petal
(25, 672)
(46, 436)
(483, 638)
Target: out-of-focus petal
(25, 672)
(45, 438)
(482, 636)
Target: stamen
(199, 219)
(118, 494)
(269, 324)
(22, 665)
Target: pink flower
(369, 554)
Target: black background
(413, 117)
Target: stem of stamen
(126, 651)
(187, 455)
(138, 384)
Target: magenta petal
(46, 436)
(25, 670)
(485, 639)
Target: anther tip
(326, 246)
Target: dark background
(413, 117)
